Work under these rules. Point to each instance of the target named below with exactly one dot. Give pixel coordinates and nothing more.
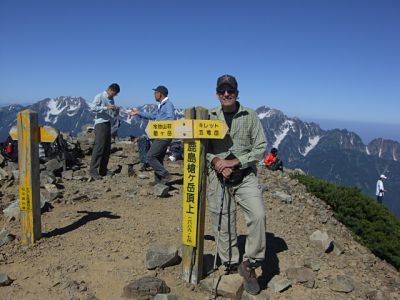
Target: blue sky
(325, 59)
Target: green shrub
(372, 224)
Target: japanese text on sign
(209, 129)
(25, 195)
(190, 191)
(162, 130)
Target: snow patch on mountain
(73, 108)
(279, 138)
(265, 114)
(312, 142)
(53, 112)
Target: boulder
(47, 177)
(229, 286)
(166, 297)
(52, 192)
(162, 256)
(68, 174)
(5, 280)
(15, 174)
(301, 275)
(261, 296)
(145, 288)
(12, 211)
(342, 284)
(79, 172)
(143, 176)
(55, 166)
(312, 264)
(322, 240)
(5, 237)
(283, 197)
(4, 174)
(376, 295)
(161, 190)
(127, 170)
(279, 284)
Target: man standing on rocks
(158, 148)
(232, 166)
(380, 189)
(105, 109)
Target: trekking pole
(214, 291)
(219, 222)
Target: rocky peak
(386, 149)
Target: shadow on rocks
(270, 266)
(90, 216)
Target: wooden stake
(192, 257)
(29, 179)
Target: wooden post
(195, 130)
(192, 257)
(29, 135)
(29, 179)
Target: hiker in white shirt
(380, 190)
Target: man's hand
(134, 112)
(111, 107)
(222, 164)
(227, 172)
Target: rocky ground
(97, 234)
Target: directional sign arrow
(180, 129)
(47, 134)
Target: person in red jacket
(272, 162)
(9, 149)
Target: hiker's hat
(227, 80)
(162, 89)
(383, 176)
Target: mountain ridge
(301, 144)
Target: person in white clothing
(380, 189)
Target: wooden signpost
(195, 129)
(29, 135)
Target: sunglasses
(221, 91)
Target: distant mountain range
(338, 156)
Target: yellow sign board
(46, 134)
(187, 129)
(191, 177)
(179, 129)
(209, 129)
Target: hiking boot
(94, 175)
(250, 279)
(110, 173)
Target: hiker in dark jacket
(158, 148)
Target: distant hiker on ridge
(106, 111)
(380, 190)
(158, 148)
